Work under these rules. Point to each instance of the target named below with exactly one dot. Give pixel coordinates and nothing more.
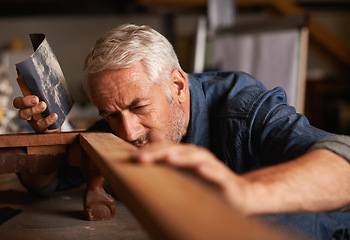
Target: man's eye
(111, 116)
(139, 109)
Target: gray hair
(124, 46)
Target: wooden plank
(36, 139)
(38, 153)
(168, 202)
(53, 149)
(17, 160)
(74, 152)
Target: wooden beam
(168, 202)
(45, 153)
(38, 153)
(35, 139)
(13, 160)
(54, 149)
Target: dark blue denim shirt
(243, 124)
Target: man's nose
(131, 128)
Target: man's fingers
(25, 102)
(42, 124)
(28, 113)
(153, 153)
(49, 120)
(179, 155)
(30, 106)
(186, 156)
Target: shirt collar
(198, 127)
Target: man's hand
(28, 107)
(202, 162)
(317, 181)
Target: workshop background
(71, 27)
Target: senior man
(265, 157)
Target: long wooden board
(35, 139)
(38, 153)
(169, 203)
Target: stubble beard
(176, 122)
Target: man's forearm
(316, 181)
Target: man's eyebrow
(134, 103)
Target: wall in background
(70, 37)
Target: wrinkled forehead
(122, 87)
(125, 77)
(109, 84)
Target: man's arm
(324, 176)
(316, 181)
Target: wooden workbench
(44, 153)
(170, 203)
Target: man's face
(134, 106)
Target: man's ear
(179, 85)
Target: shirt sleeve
(339, 144)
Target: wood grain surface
(168, 202)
